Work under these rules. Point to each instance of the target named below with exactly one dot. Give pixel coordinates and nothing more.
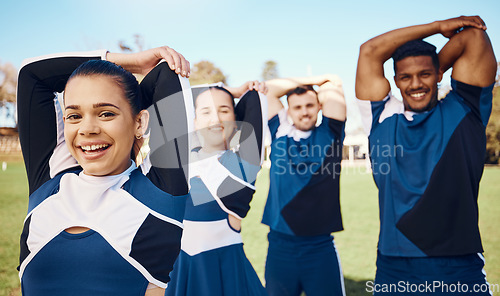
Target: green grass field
(356, 244)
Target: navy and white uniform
(212, 260)
(135, 220)
(303, 208)
(427, 167)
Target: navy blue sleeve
(274, 124)
(478, 99)
(377, 107)
(236, 197)
(163, 95)
(249, 113)
(335, 126)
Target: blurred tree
(138, 42)
(124, 47)
(8, 82)
(493, 130)
(270, 70)
(206, 72)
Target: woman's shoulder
(48, 189)
(146, 192)
(139, 184)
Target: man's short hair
(300, 90)
(416, 48)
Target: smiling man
(303, 208)
(428, 198)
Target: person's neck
(212, 150)
(304, 131)
(94, 175)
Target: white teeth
(93, 147)
(419, 95)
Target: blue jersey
(303, 195)
(427, 167)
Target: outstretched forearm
(144, 61)
(239, 91)
(382, 47)
(280, 86)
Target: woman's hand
(237, 92)
(144, 61)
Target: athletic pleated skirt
(219, 272)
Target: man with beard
(303, 206)
(428, 193)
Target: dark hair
(197, 91)
(300, 90)
(124, 78)
(416, 48)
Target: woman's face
(215, 119)
(99, 125)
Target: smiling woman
(96, 224)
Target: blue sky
(237, 36)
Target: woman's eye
(107, 114)
(73, 117)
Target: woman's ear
(142, 122)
